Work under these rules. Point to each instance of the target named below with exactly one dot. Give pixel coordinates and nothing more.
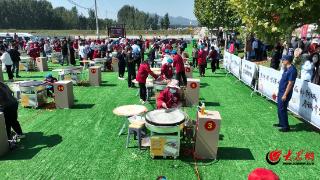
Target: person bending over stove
(167, 70)
(143, 72)
(169, 97)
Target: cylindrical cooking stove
(165, 127)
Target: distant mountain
(182, 21)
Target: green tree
(126, 15)
(215, 14)
(166, 21)
(155, 22)
(91, 19)
(275, 19)
(162, 23)
(152, 22)
(83, 24)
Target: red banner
(304, 31)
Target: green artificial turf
(82, 142)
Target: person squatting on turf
(169, 97)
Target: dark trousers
(65, 58)
(11, 119)
(138, 62)
(72, 60)
(283, 112)
(182, 78)
(143, 91)
(81, 59)
(217, 64)
(15, 68)
(122, 69)
(194, 62)
(256, 52)
(151, 63)
(202, 69)
(131, 74)
(213, 65)
(9, 71)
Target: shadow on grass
(108, 85)
(32, 145)
(83, 106)
(215, 76)
(304, 126)
(223, 73)
(211, 104)
(203, 85)
(234, 153)
(221, 136)
(223, 154)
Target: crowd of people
(304, 53)
(130, 54)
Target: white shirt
(307, 71)
(165, 59)
(135, 49)
(82, 52)
(6, 59)
(46, 47)
(92, 46)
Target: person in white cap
(169, 97)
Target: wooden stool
(136, 129)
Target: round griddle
(163, 117)
(31, 84)
(130, 110)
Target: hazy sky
(109, 8)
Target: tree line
(35, 14)
(138, 20)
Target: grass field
(82, 142)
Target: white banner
(226, 60)
(305, 101)
(269, 82)
(235, 65)
(248, 72)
